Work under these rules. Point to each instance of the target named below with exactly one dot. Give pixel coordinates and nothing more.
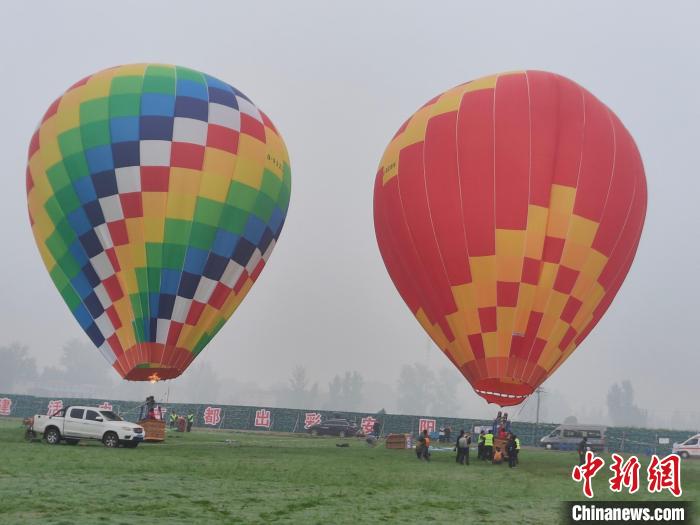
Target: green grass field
(199, 478)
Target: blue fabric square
(254, 229)
(105, 184)
(124, 129)
(157, 104)
(195, 260)
(169, 281)
(83, 316)
(93, 210)
(223, 97)
(192, 108)
(99, 159)
(126, 154)
(244, 250)
(156, 128)
(79, 221)
(224, 243)
(95, 335)
(188, 285)
(190, 88)
(84, 190)
(81, 285)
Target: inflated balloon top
(156, 195)
(508, 211)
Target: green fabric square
(264, 206)
(70, 142)
(69, 265)
(202, 236)
(142, 280)
(67, 199)
(58, 176)
(154, 280)
(56, 245)
(242, 196)
(270, 185)
(94, 110)
(71, 298)
(128, 84)
(174, 256)
(207, 211)
(95, 134)
(184, 73)
(177, 231)
(154, 256)
(234, 220)
(59, 277)
(53, 209)
(76, 166)
(65, 230)
(127, 105)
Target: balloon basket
(154, 429)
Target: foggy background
(324, 327)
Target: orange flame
(153, 378)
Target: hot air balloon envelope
(156, 194)
(508, 211)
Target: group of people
(493, 445)
(508, 444)
(188, 421)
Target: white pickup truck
(73, 423)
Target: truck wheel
(684, 455)
(53, 436)
(110, 440)
(72, 441)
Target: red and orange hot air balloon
(508, 211)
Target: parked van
(689, 448)
(567, 437)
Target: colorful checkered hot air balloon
(508, 211)
(156, 195)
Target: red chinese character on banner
(262, 418)
(427, 424)
(5, 406)
(54, 406)
(626, 474)
(311, 419)
(106, 405)
(367, 424)
(212, 415)
(665, 474)
(587, 472)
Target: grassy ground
(199, 478)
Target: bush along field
(221, 476)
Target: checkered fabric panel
(508, 211)
(156, 194)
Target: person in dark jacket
(480, 446)
(423, 446)
(462, 448)
(512, 453)
(582, 448)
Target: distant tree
(416, 389)
(352, 395)
(444, 399)
(16, 368)
(621, 407)
(570, 420)
(298, 395)
(335, 393)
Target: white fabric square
(253, 261)
(128, 179)
(224, 116)
(112, 208)
(162, 328)
(190, 130)
(102, 232)
(155, 152)
(107, 352)
(231, 274)
(181, 309)
(102, 266)
(204, 290)
(104, 323)
(248, 108)
(267, 253)
(102, 295)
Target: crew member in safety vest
(190, 421)
(480, 446)
(517, 447)
(173, 419)
(488, 445)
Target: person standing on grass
(423, 446)
(517, 448)
(582, 448)
(512, 454)
(190, 421)
(488, 445)
(480, 446)
(462, 448)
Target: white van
(567, 437)
(689, 448)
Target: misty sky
(338, 80)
